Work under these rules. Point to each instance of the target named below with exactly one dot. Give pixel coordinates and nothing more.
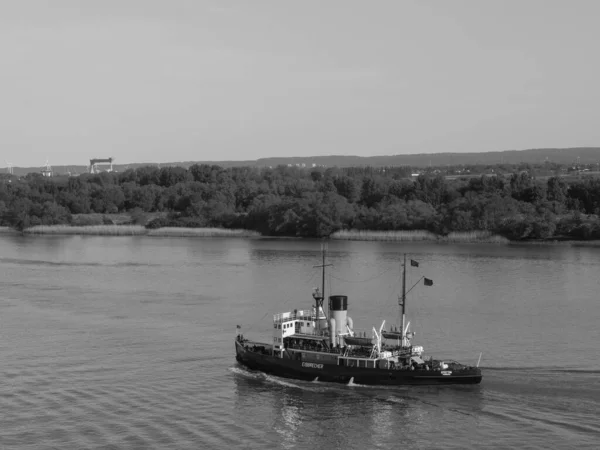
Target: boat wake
(395, 400)
(370, 392)
(307, 386)
(351, 383)
(282, 382)
(315, 385)
(247, 373)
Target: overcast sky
(176, 80)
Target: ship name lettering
(312, 365)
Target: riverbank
(136, 230)
(467, 237)
(353, 235)
(419, 235)
(471, 237)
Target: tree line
(292, 201)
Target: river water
(127, 342)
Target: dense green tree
(347, 187)
(515, 201)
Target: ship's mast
(403, 311)
(324, 251)
(320, 298)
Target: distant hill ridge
(586, 155)
(583, 155)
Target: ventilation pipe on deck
(350, 323)
(332, 333)
(322, 319)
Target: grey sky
(178, 80)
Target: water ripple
(116, 353)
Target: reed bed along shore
(367, 235)
(482, 237)
(201, 232)
(137, 230)
(474, 236)
(96, 230)
(419, 235)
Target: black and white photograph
(273, 224)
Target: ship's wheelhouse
(292, 323)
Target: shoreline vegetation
(419, 235)
(472, 237)
(136, 230)
(348, 235)
(491, 204)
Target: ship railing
(315, 348)
(363, 333)
(311, 333)
(306, 315)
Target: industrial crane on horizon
(93, 168)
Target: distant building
(47, 170)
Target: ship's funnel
(338, 307)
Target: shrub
(158, 222)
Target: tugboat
(310, 345)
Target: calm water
(128, 343)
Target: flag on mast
(414, 263)
(427, 282)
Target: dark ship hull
(261, 360)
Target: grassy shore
(482, 237)
(201, 232)
(474, 236)
(137, 230)
(419, 235)
(96, 230)
(367, 235)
